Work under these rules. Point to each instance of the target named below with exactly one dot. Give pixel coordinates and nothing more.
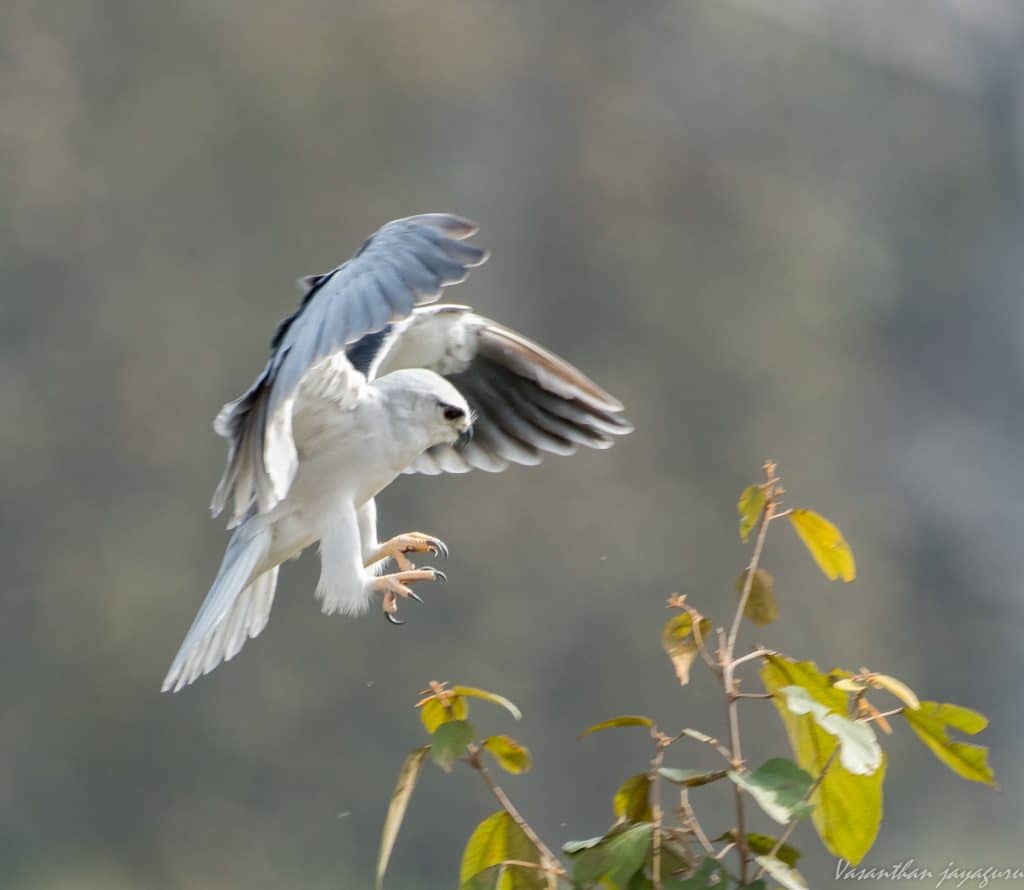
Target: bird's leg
(410, 542)
(396, 585)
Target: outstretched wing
(527, 400)
(406, 263)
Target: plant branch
(698, 637)
(656, 814)
(691, 822)
(552, 865)
(732, 714)
(759, 652)
(727, 646)
(881, 715)
(748, 582)
(698, 736)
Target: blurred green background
(782, 229)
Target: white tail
(236, 608)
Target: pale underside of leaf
(407, 777)
(847, 807)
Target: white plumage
(366, 381)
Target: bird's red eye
(453, 413)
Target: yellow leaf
(931, 721)
(511, 756)
(632, 800)
(898, 688)
(761, 608)
(850, 684)
(434, 712)
(496, 840)
(679, 644)
(848, 807)
(407, 777)
(492, 697)
(750, 507)
(826, 543)
(625, 720)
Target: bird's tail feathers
(235, 609)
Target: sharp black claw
(392, 619)
(443, 548)
(438, 575)
(415, 596)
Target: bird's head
(432, 404)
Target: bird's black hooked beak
(465, 437)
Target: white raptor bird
(366, 381)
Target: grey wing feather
(527, 401)
(407, 263)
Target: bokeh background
(774, 228)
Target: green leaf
(709, 876)
(616, 858)
(573, 847)
(763, 843)
(691, 778)
(674, 860)
(496, 840)
(615, 722)
(492, 697)
(826, 543)
(508, 877)
(511, 756)
(931, 721)
(632, 801)
(449, 742)
(407, 777)
(859, 750)
(679, 644)
(780, 787)
(788, 877)
(761, 607)
(848, 807)
(640, 881)
(750, 506)
(433, 712)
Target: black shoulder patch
(363, 352)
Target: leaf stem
(698, 736)
(748, 582)
(552, 865)
(759, 652)
(691, 821)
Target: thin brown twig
(681, 835)
(552, 866)
(727, 648)
(748, 582)
(881, 715)
(656, 814)
(759, 652)
(698, 636)
(698, 736)
(692, 823)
